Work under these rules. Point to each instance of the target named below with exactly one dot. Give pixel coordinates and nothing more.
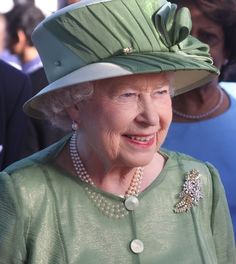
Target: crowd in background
(18, 51)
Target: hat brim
(189, 73)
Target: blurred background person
(15, 89)
(204, 119)
(48, 7)
(21, 21)
(22, 2)
(4, 52)
(230, 74)
(2, 32)
(63, 3)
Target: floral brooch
(191, 192)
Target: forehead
(136, 81)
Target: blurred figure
(230, 74)
(4, 53)
(14, 91)
(2, 32)
(22, 2)
(204, 119)
(21, 21)
(63, 3)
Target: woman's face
(126, 119)
(209, 32)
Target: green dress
(48, 216)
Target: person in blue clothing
(204, 119)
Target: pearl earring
(74, 126)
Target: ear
(73, 113)
(21, 36)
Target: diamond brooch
(191, 192)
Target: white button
(131, 203)
(137, 246)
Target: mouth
(146, 140)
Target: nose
(148, 112)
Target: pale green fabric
(89, 40)
(47, 218)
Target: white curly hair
(54, 104)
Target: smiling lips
(142, 140)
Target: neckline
(232, 102)
(204, 115)
(197, 121)
(83, 184)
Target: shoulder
(33, 169)
(15, 80)
(30, 179)
(205, 175)
(8, 70)
(30, 182)
(185, 163)
(28, 173)
(182, 158)
(229, 88)
(24, 184)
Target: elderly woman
(106, 193)
(207, 114)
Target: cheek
(218, 56)
(102, 136)
(166, 111)
(102, 125)
(165, 120)
(115, 123)
(118, 117)
(110, 126)
(110, 141)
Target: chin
(139, 160)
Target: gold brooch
(191, 193)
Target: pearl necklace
(134, 187)
(204, 115)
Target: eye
(209, 38)
(128, 96)
(163, 92)
(159, 92)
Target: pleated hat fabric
(93, 40)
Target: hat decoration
(174, 27)
(99, 39)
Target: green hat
(98, 39)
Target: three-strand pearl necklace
(135, 184)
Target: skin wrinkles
(122, 107)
